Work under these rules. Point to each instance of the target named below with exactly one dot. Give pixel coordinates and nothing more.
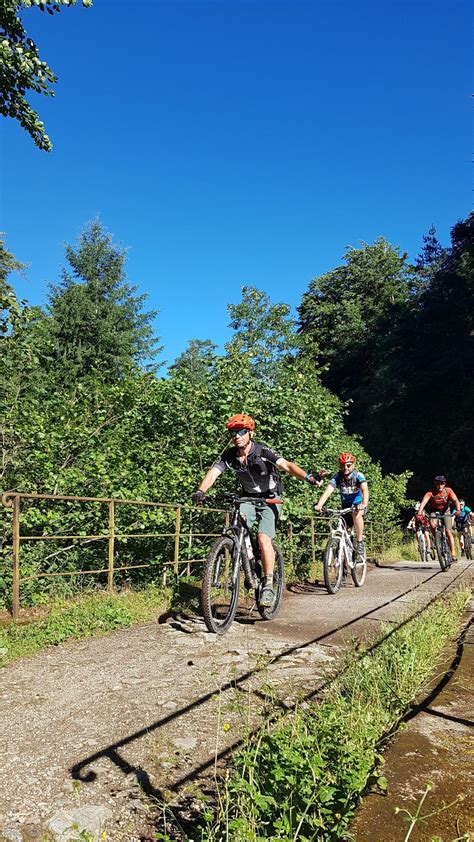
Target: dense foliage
(396, 340)
(82, 414)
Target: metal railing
(318, 530)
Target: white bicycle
(340, 555)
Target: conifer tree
(97, 321)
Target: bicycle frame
(238, 530)
(341, 532)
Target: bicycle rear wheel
(468, 544)
(332, 566)
(422, 548)
(359, 569)
(269, 612)
(220, 586)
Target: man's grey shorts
(265, 514)
(447, 518)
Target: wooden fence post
(110, 574)
(176, 539)
(16, 558)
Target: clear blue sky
(229, 143)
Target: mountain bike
(339, 554)
(465, 534)
(422, 540)
(232, 568)
(440, 540)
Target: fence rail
(317, 530)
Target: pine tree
(97, 321)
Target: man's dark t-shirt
(256, 474)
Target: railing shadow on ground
(81, 772)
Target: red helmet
(346, 457)
(241, 422)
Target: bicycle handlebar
(235, 499)
(335, 511)
(230, 497)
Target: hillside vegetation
(84, 411)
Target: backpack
(272, 469)
(279, 488)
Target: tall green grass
(90, 616)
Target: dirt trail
(94, 731)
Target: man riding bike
(439, 499)
(463, 521)
(354, 492)
(257, 467)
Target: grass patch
(403, 551)
(301, 777)
(90, 616)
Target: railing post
(16, 558)
(190, 541)
(313, 544)
(110, 575)
(176, 539)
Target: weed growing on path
(418, 817)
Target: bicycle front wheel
(269, 612)
(359, 569)
(467, 544)
(332, 566)
(440, 544)
(220, 586)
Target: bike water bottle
(248, 547)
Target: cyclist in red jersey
(422, 523)
(439, 499)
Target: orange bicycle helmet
(241, 422)
(346, 457)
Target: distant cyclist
(257, 467)
(440, 499)
(422, 525)
(354, 492)
(463, 521)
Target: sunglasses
(235, 433)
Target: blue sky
(227, 143)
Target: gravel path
(94, 731)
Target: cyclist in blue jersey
(462, 520)
(354, 492)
